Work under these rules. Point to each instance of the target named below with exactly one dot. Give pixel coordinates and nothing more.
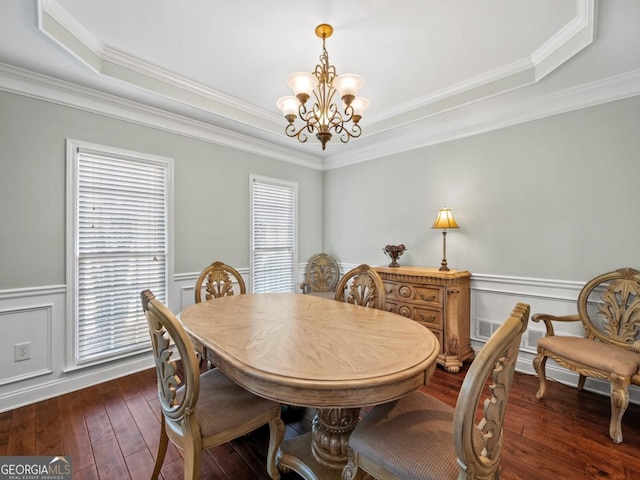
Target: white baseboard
(44, 390)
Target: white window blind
(121, 244)
(273, 235)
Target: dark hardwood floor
(111, 432)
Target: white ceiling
(433, 70)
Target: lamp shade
(302, 83)
(445, 219)
(288, 105)
(359, 105)
(348, 84)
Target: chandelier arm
(290, 130)
(347, 135)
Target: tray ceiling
(224, 64)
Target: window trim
(72, 227)
(282, 183)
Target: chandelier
(323, 118)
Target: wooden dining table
(315, 352)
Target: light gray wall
(554, 198)
(211, 191)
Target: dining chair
(361, 286)
(200, 411)
(217, 281)
(321, 276)
(419, 437)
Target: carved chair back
(497, 359)
(322, 274)
(164, 329)
(217, 280)
(361, 286)
(420, 437)
(609, 307)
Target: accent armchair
(609, 310)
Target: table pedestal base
(322, 453)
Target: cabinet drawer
(406, 292)
(429, 317)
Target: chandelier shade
(322, 88)
(302, 83)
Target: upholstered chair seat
(597, 355)
(385, 434)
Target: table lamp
(443, 221)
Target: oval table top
(311, 351)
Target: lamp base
(444, 267)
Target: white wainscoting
(38, 315)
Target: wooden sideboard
(438, 300)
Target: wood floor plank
(140, 464)
(75, 438)
(149, 425)
(48, 428)
(87, 473)
(98, 424)
(232, 464)
(109, 460)
(128, 435)
(539, 461)
(5, 429)
(23, 415)
(22, 439)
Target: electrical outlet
(21, 351)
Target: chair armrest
(547, 319)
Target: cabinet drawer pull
(429, 319)
(426, 298)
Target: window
(118, 207)
(273, 235)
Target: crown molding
(61, 27)
(42, 87)
(568, 41)
(30, 84)
(462, 124)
